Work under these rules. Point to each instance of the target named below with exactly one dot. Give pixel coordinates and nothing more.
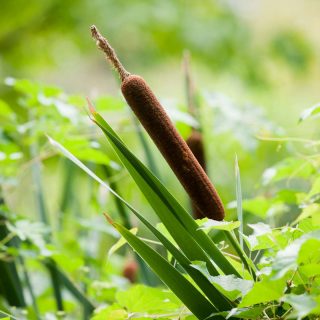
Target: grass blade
(67, 191)
(170, 212)
(119, 204)
(239, 200)
(55, 280)
(214, 296)
(30, 288)
(68, 284)
(183, 238)
(182, 288)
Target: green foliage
(293, 48)
(208, 272)
(311, 112)
(166, 27)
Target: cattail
(175, 150)
(195, 143)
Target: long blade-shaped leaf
(211, 292)
(239, 200)
(167, 208)
(11, 287)
(51, 265)
(182, 288)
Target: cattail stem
(175, 150)
(190, 91)
(195, 143)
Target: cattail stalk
(189, 85)
(175, 150)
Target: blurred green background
(250, 44)
(264, 53)
(255, 66)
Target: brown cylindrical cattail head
(175, 150)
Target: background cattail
(195, 143)
(130, 270)
(175, 150)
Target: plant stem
(104, 45)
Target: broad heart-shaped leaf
(287, 259)
(211, 292)
(264, 291)
(261, 242)
(309, 252)
(182, 288)
(261, 237)
(303, 305)
(308, 211)
(231, 286)
(310, 270)
(288, 168)
(113, 312)
(310, 112)
(177, 221)
(140, 298)
(219, 225)
(245, 313)
(35, 232)
(257, 206)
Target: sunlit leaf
(114, 312)
(312, 112)
(286, 259)
(219, 225)
(232, 286)
(303, 305)
(288, 168)
(257, 206)
(264, 291)
(307, 212)
(245, 313)
(309, 252)
(140, 298)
